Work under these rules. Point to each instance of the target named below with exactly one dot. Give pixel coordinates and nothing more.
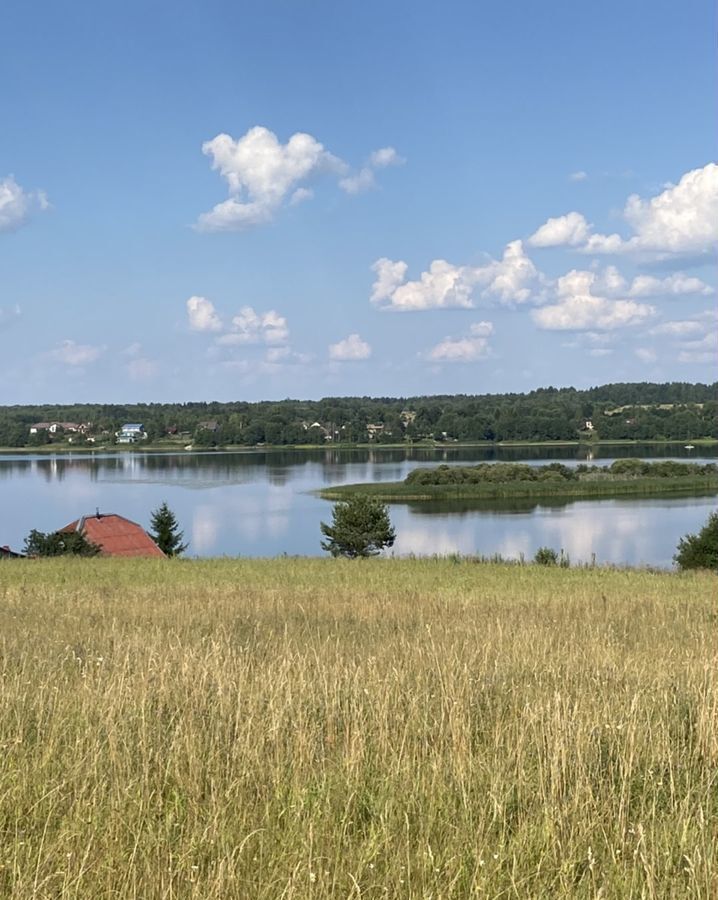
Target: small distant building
(589, 425)
(54, 427)
(209, 426)
(116, 535)
(131, 433)
(374, 430)
(7, 553)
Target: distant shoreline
(66, 449)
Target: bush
(360, 527)
(700, 551)
(546, 556)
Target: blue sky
(242, 201)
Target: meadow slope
(373, 729)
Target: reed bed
(370, 729)
(403, 492)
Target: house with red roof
(116, 535)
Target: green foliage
(700, 551)
(360, 527)
(546, 556)
(57, 543)
(640, 412)
(165, 531)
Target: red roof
(116, 535)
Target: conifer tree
(165, 531)
(360, 527)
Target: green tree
(165, 531)
(700, 551)
(360, 527)
(58, 543)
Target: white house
(131, 433)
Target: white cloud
(679, 329)
(579, 308)
(202, 315)
(569, 230)
(70, 353)
(251, 327)
(704, 350)
(386, 156)
(646, 354)
(600, 351)
(578, 176)
(364, 179)
(471, 348)
(300, 195)
(261, 173)
(17, 206)
(611, 282)
(351, 348)
(358, 182)
(674, 285)
(512, 279)
(681, 220)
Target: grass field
(371, 729)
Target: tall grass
(379, 729)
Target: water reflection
(260, 503)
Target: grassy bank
(331, 729)
(179, 446)
(399, 491)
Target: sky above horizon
(223, 201)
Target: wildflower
(312, 877)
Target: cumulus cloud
(17, 206)
(364, 179)
(251, 327)
(702, 350)
(386, 156)
(469, 348)
(611, 282)
(580, 308)
(570, 230)
(512, 279)
(674, 285)
(646, 354)
(680, 221)
(202, 315)
(578, 176)
(682, 328)
(350, 349)
(261, 173)
(70, 353)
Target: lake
(260, 503)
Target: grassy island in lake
(498, 481)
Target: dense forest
(640, 411)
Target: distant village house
(131, 433)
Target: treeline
(638, 411)
(620, 469)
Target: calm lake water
(259, 503)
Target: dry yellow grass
(372, 729)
